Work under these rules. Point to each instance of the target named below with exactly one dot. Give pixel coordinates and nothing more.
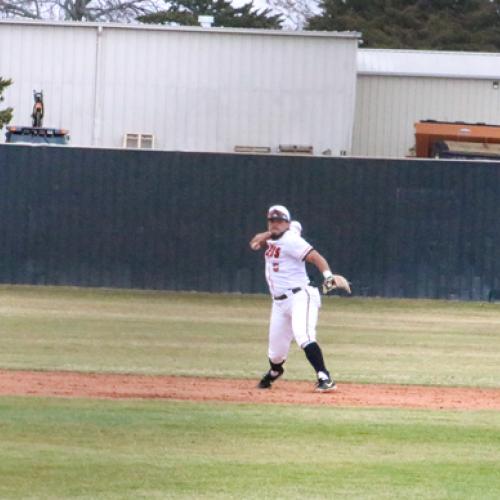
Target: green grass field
(76, 448)
(364, 340)
(87, 449)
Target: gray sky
(260, 4)
(292, 20)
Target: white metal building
(190, 88)
(396, 88)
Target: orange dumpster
(429, 131)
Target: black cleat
(326, 385)
(267, 380)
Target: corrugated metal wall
(212, 91)
(387, 108)
(193, 89)
(57, 60)
(182, 221)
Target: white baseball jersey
(285, 263)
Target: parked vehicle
(36, 134)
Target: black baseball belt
(285, 296)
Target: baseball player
(295, 303)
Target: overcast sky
(294, 21)
(260, 4)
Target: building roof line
(427, 63)
(197, 29)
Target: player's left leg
(304, 319)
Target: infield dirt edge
(125, 386)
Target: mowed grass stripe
(364, 340)
(151, 449)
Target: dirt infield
(115, 386)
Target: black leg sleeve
(315, 357)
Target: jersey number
(273, 251)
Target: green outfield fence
(182, 221)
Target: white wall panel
(60, 61)
(387, 108)
(212, 91)
(194, 89)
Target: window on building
(139, 141)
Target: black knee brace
(277, 367)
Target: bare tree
(294, 12)
(78, 10)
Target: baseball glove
(336, 281)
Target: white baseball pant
(293, 318)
